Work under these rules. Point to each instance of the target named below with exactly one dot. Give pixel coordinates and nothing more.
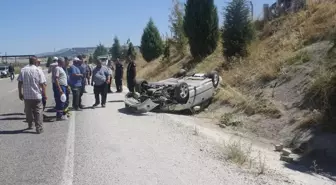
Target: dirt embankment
(284, 91)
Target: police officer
(131, 74)
(119, 73)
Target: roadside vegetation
(276, 74)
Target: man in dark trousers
(79, 64)
(11, 71)
(75, 82)
(100, 81)
(85, 72)
(110, 68)
(131, 74)
(119, 73)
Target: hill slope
(283, 91)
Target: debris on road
(278, 147)
(286, 152)
(286, 158)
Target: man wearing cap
(31, 88)
(60, 87)
(53, 65)
(100, 81)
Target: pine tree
(115, 50)
(176, 26)
(237, 30)
(131, 51)
(100, 50)
(151, 42)
(201, 27)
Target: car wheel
(182, 92)
(214, 77)
(140, 85)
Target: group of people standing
(69, 78)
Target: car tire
(140, 85)
(181, 92)
(214, 77)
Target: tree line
(194, 24)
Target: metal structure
(4, 58)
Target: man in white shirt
(60, 87)
(31, 87)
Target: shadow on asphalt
(22, 131)
(116, 101)
(12, 118)
(130, 112)
(50, 107)
(88, 107)
(48, 118)
(50, 110)
(13, 114)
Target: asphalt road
(106, 146)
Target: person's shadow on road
(12, 118)
(11, 132)
(130, 112)
(116, 101)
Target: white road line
(67, 177)
(13, 90)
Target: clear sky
(35, 26)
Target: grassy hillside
(285, 86)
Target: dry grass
(228, 119)
(238, 153)
(280, 39)
(242, 154)
(299, 58)
(323, 87)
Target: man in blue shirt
(85, 71)
(76, 76)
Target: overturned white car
(174, 94)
